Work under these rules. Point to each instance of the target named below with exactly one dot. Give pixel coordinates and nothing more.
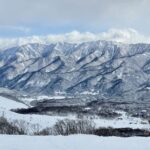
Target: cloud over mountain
(119, 35)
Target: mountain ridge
(110, 69)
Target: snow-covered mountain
(109, 69)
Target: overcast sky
(19, 18)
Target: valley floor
(72, 142)
(33, 121)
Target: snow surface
(8, 104)
(73, 142)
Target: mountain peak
(108, 68)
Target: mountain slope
(109, 69)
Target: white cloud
(125, 36)
(118, 35)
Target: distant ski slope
(8, 104)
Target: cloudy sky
(91, 19)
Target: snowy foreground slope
(29, 120)
(73, 142)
